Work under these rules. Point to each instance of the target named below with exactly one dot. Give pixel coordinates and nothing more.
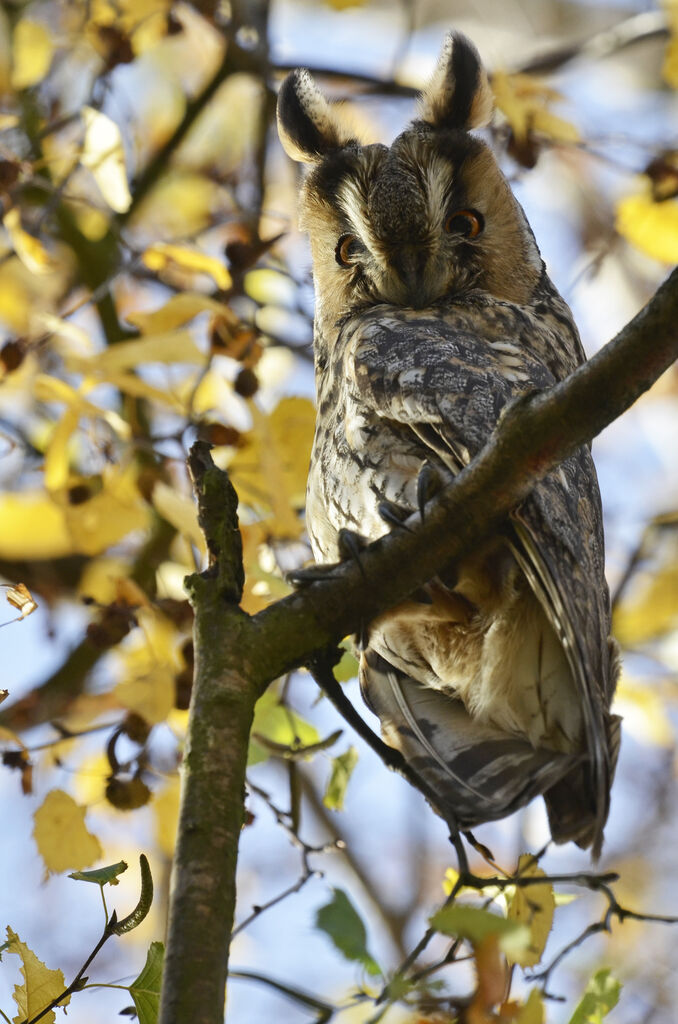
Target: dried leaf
(61, 835)
(104, 156)
(41, 984)
(19, 596)
(533, 906)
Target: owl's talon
(429, 483)
(311, 574)
(394, 515)
(350, 545)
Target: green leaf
(475, 925)
(601, 995)
(279, 726)
(346, 668)
(342, 769)
(101, 876)
(145, 991)
(341, 922)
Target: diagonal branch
(534, 435)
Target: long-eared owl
(433, 311)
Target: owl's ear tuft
(308, 126)
(459, 93)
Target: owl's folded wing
(448, 383)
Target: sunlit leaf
(145, 990)
(524, 101)
(107, 517)
(32, 50)
(149, 663)
(177, 311)
(649, 609)
(41, 984)
(533, 906)
(342, 769)
(533, 1010)
(104, 156)
(341, 922)
(61, 834)
(165, 809)
(601, 996)
(475, 924)
(271, 468)
(652, 227)
(280, 726)
(347, 668)
(28, 248)
(644, 711)
(162, 255)
(32, 526)
(270, 286)
(181, 511)
(101, 876)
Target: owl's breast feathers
(498, 687)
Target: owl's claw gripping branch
(429, 483)
(395, 515)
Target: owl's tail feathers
(570, 806)
(477, 773)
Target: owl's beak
(411, 263)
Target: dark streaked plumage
(434, 311)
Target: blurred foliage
(149, 295)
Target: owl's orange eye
(347, 249)
(467, 223)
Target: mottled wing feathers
(448, 376)
(478, 773)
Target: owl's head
(416, 223)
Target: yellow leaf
(41, 984)
(32, 49)
(167, 347)
(652, 227)
(32, 526)
(100, 579)
(533, 906)
(177, 311)
(132, 385)
(163, 255)
(651, 608)
(181, 511)
(524, 101)
(670, 65)
(61, 835)
(104, 156)
(533, 1010)
(29, 249)
(644, 712)
(57, 460)
(108, 516)
(166, 811)
(149, 666)
(8, 121)
(270, 286)
(271, 468)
